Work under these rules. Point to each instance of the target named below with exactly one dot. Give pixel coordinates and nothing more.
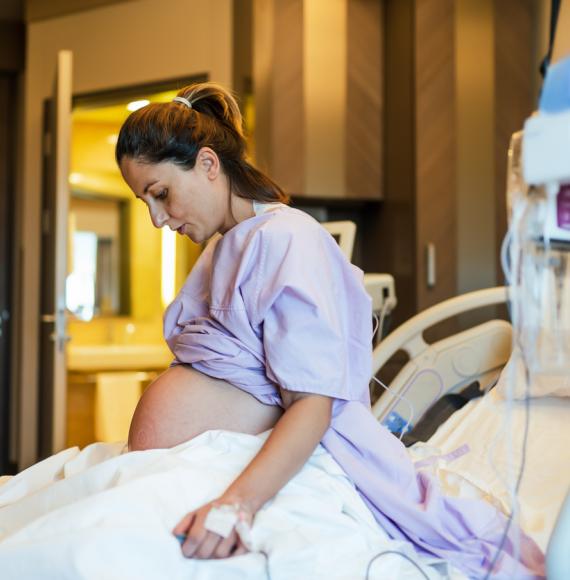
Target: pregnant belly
(183, 403)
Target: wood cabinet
(389, 124)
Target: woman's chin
(183, 231)
(196, 237)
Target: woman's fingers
(208, 546)
(240, 549)
(195, 535)
(182, 526)
(226, 546)
(200, 543)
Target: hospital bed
(482, 445)
(102, 513)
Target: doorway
(121, 273)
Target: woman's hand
(285, 451)
(203, 544)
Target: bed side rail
(445, 366)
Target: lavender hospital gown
(274, 302)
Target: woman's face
(194, 202)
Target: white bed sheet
(100, 513)
(481, 425)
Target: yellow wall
(94, 170)
(92, 153)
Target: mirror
(98, 277)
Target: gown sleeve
(315, 314)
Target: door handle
(59, 335)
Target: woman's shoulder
(287, 224)
(273, 239)
(278, 227)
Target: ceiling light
(112, 139)
(134, 105)
(74, 178)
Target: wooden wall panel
(514, 93)
(12, 46)
(287, 146)
(42, 10)
(364, 99)
(318, 80)
(436, 206)
(391, 228)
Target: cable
(554, 11)
(514, 313)
(505, 247)
(380, 320)
(383, 312)
(397, 395)
(521, 471)
(376, 325)
(406, 388)
(385, 308)
(415, 564)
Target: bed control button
(466, 361)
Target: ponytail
(203, 115)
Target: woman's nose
(159, 218)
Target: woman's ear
(208, 162)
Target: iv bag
(540, 288)
(517, 189)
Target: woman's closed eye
(161, 194)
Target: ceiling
(116, 113)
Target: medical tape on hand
(223, 519)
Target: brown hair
(175, 132)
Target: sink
(132, 357)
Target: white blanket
(102, 513)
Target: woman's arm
(286, 450)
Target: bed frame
(445, 366)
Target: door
(7, 98)
(55, 210)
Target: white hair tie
(182, 100)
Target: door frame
(8, 96)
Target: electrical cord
(383, 313)
(385, 552)
(519, 476)
(401, 398)
(516, 339)
(376, 324)
(406, 388)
